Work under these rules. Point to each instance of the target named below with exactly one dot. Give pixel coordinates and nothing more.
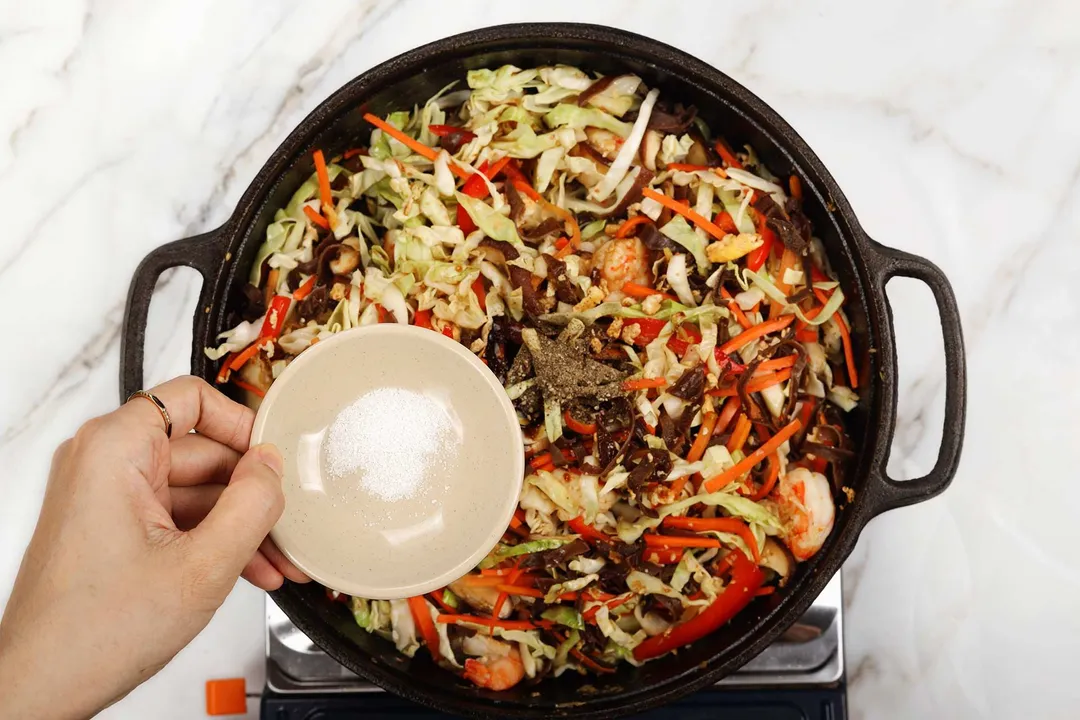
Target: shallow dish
(403, 460)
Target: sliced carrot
(724, 564)
(643, 291)
(771, 475)
(787, 262)
(643, 384)
(697, 450)
(795, 186)
(740, 316)
(591, 664)
(522, 591)
(731, 525)
(353, 152)
(497, 167)
(526, 189)
(613, 602)
(494, 622)
(244, 355)
(519, 590)
(579, 427)
(503, 596)
(701, 443)
(415, 145)
(759, 383)
(849, 356)
(727, 414)
(481, 580)
(776, 364)
(419, 607)
(316, 217)
(755, 332)
(739, 434)
(540, 460)
(515, 176)
(224, 372)
(686, 211)
(687, 167)
(678, 541)
(325, 199)
(516, 520)
(725, 153)
(720, 480)
(565, 215)
(305, 289)
(249, 387)
(628, 226)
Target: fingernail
(270, 457)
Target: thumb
(230, 535)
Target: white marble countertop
(952, 127)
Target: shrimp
(479, 597)
(806, 506)
(499, 666)
(622, 260)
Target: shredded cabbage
(680, 231)
(627, 152)
(580, 118)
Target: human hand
(140, 539)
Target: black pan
(224, 255)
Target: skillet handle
(887, 264)
(204, 253)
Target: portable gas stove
(800, 677)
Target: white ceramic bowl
(403, 460)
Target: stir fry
(665, 323)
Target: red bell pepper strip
(679, 345)
(444, 130)
(586, 531)
(275, 318)
(746, 578)
(650, 329)
(422, 318)
(464, 221)
(481, 293)
(726, 223)
(477, 188)
(757, 257)
(475, 185)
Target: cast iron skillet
(223, 257)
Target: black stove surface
(766, 704)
